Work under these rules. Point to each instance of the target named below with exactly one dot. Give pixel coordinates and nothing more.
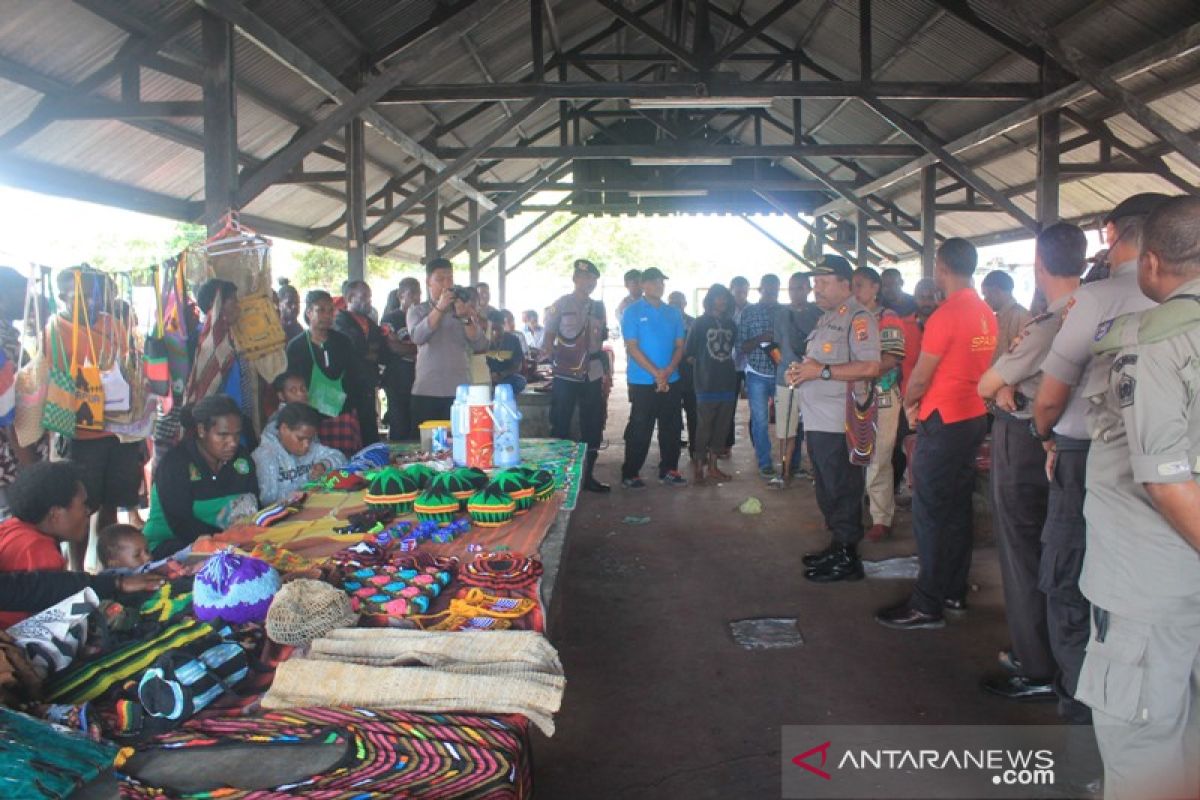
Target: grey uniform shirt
(1071, 352)
(444, 354)
(568, 316)
(1137, 565)
(844, 334)
(1021, 364)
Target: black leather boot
(589, 481)
(820, 557)
(844, 565)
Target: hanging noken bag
(113, 382)
(32, 377)
(89, 390)
(59, 414)
(155, 363)
(571, 355)
(325, 394)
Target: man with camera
(1020, 488)
(446, 330)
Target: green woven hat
(519, 487)
(543, 484)
(436, 506)
(422, 472)
(394, 489)
(455, 484)
(476, 476)
(490, 507)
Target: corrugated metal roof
(60, 43)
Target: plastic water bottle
(506, 438)
(460, 425)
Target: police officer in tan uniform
(843, 351)
(1020, 488)
(1141, 672)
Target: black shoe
(904, 618)
(1018, 687)
(1008, 659)
(843, 565)
(593, 485)
(955, 605)
(820, 557)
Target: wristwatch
(1033, 431)
(826, 373)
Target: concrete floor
(661, 703)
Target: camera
(463, 294)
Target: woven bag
(304, 610)
(32, 377)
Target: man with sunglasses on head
(1059, 423)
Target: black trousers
(589, 398)
(737, 396)
(1019, 496)
(368, 416)
(1063, 545)
(688, 398)
(839, 485)
(943, 519)
(425, 408)
(647, 409)
(397, 385)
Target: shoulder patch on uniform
(1126, 387)
(1103, 328)
(1070, 304)
(861, 330)
(1110, 334)
(241, 466)
(193, 473)
(843, 309)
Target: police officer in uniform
(575, 333)
(1019, 485)
(1060, 421)
(1141, 675)
(843, 350)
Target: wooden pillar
(356, 199)
(862, 241)
(473, 240)
(1049, 132)
(432, 222)
(928, 220)
(502, 264)
(220, 120)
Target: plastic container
(460, 426)
(435, 435)
(479, 437)
(506, 437)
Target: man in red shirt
(49, 506)
(951, 420)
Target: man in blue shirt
(654, 337)
(756, 337)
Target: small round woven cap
(305, 609)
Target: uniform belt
(1070, 443)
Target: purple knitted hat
(235, 588)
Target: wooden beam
(790, 214)
(220, 121)
(753, 30)
(963, 11)
(864, 209)
(106, 109)
(280, 47)
(682, 151)
(639, 24)
(928, 247)
(356, 199)
(571, 223)
(529, 187)
(776, 241)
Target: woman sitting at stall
(205, 483)
(327, 358)
(291, 456)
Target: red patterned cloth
(341, 433)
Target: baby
(122, 548)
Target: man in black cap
(842, 355)
(633, 285)
(1059, 422)
(654, 337)
(575, 332)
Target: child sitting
(291, 456)
(123, 548)
(290, 387)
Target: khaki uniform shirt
(1071, 353)
(1021, 363)
(569, 316)
(845, 334)
(1148, 424)
(1010, 321)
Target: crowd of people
(878, 397)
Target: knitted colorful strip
(91, 680)
(393, 592)
(388, 754)
(39, 760)
(171, 600)
(501, 571)
(273, 514)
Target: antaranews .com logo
(917, 761)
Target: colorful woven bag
(58, 415)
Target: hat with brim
(653, 274)
(583, 265)
(1138, 205)
(836, 266)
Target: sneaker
(673, 478)
(633, 483)
(767, 471)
